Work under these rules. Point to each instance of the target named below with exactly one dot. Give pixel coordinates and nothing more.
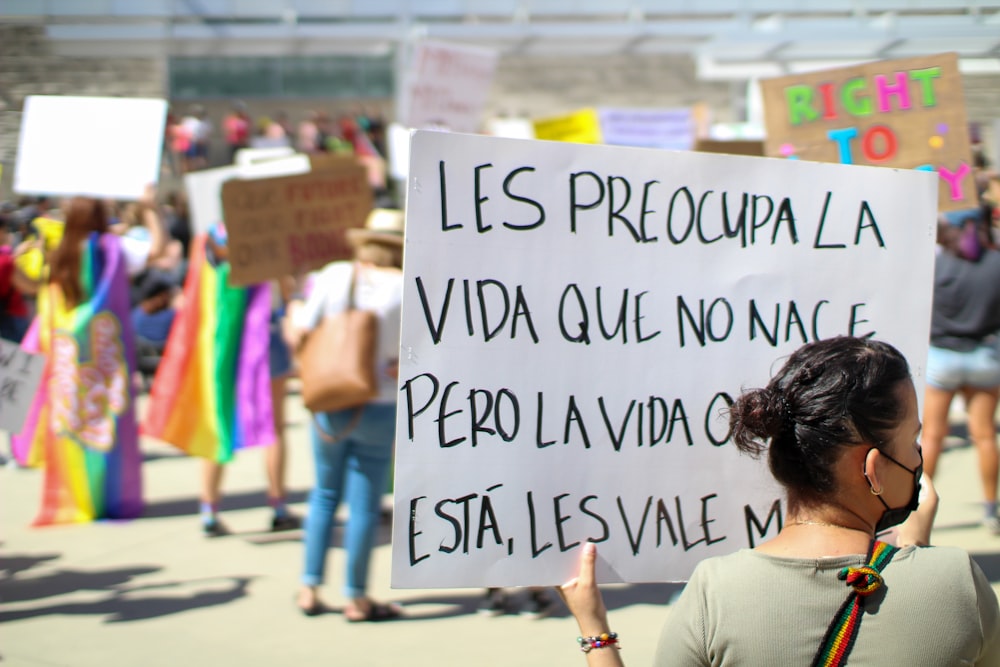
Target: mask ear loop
(864, 471)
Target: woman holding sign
(840, 424)
(82, 425)
(352, 448)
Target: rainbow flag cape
(81, 426)
(212, 391)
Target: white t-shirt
(378, 290)
(136, 254)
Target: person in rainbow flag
(217, 390)
(81, 426)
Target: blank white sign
(94, 146)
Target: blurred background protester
(15, 315)
(199, 131)
(212, 392)
(964, 355)
(352, 449)
(89, 448)
(236, 127)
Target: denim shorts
(279, 356)
(951, 370)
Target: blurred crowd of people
(190, 136)
(32, 228)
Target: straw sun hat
(384, 225)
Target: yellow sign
(579, 127)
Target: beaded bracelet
(601, 641)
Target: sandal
(377, 612)
(315, 609)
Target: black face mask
(893, 516)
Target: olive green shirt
(936, 608)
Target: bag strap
(843, 630)
(352, 285)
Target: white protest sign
(576, 319)
(512, 128)
(448, 86)
(20, 375)
(398, 138)
(648, 128)
(270, 142)
(94, 146)
(204, 188)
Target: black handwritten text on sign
(576, 321)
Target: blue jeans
(354, 468)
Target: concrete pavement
(155, 592)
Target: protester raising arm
(140, 253)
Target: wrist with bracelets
(603, 640)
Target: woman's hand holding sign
(584, 601)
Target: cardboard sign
(730, 146)
(672, 129)
(20, 375)
(907, 114)
(105, 147)
(577, 318)
(448, 86)
(579, 127)
(292, 224)
(204, 188)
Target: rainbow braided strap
(864, 581)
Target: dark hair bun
(757, 417)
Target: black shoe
(285, 522)
(494, 604)
(539, 605)
(214, 528)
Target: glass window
(296, 76)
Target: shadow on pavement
(61, 582)
(230, 501)
(12, 565)
(122, 604)
(462, 604)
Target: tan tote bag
(337, 359)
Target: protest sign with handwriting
(907, 113)
(577, 318)
(20, 375)
(292, 224)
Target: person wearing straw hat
(353, 450)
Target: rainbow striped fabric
(211, 395)
(82, 425)
(843, 630)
